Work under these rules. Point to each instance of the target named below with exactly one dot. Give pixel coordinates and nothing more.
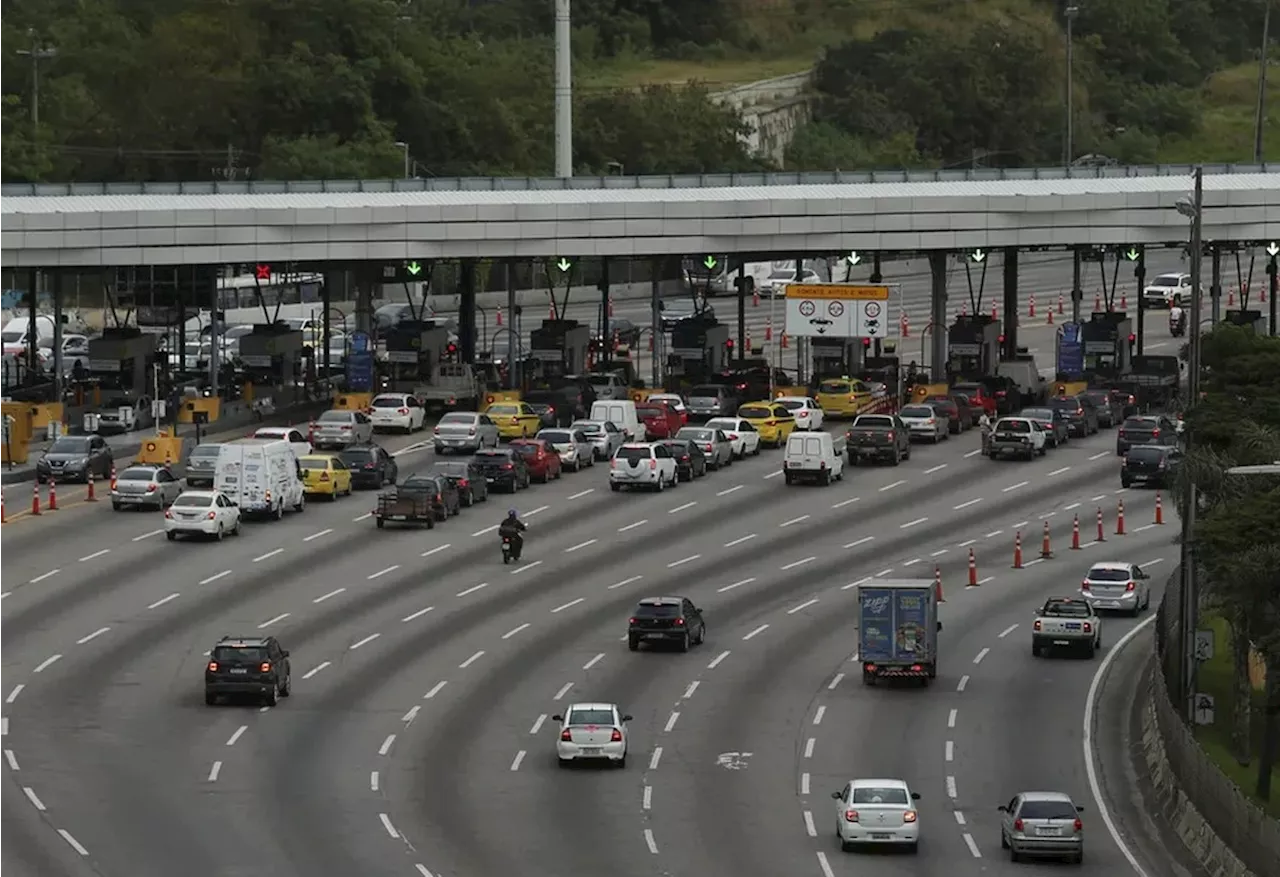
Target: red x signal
(264, 272)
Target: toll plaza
(699, 349)
(1107, 340)
(973, 347)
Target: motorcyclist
(1176, 318)
(984, 427)
(512, 528)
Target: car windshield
(782, 275)
(875, 421)
(1038, 413)
(188, 501)
(70, 445)
(335, 417)
(650, 411)
(697, 435)
(356, 456)
(667, 610)
(680, 306)
(457, 417)
(633, 455)
(556, 438)
(137, 475)
(589, 428)
(1139, 423)
(452, 469)
(389, 402)
(1064, 404)
(1047, 810)
(314, 465)
(1013, 426)
(916, 411)
(419, 482)
(600, 380)
(705, 391)
(755, 413)
(504, 410)
(590, 717)
(1100, 397)
(12, 337)
(527, 450)
(206, 451)
(1067, 609)
(1146, 455)
(1108, 574)
(880, 795)
(239, 655)
(1167, 280)
(834, 387)
(677, 447)
(791, 404)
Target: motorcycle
(509, 550)
(1178, 326)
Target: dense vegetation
(207, 89)
(1237, 423)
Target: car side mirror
(1079, 809)
(626, 718)
(1003, 809)
(915, 796)
(557, 718)
(285, 653)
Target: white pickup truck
(1067, 623)
(451, 387)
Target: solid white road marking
(1086, 740)
(973, 847)
(759, 630)
(214, 771)
(951, 786)
(435, 689)
(835, 680)
(845, 502)
(316, 669)
(715, 662)
(625, 582)
(734, 585)
(270, 621)
(581, 545)
(373, 781)
(937, 468)
(1013, 487)
(364, 642)
(215, 577)
(951, 718)
(269, 554)
(469, 661)
(387, 744)
(564, 689)
(963, 683)
(324, 532)
(809, 827)
(681, 508)
(804, 783)
(729, 490)
(91, 637)
(471, 590)
(569, 605)
(421, 612)
(239, 732)
(40, 578)
(382, 572)
(655, 758)
(89, 557)
(863, 541)
(646, 802)
(639, 523)
(912, 523)
(335, 592)
(47, 663)
(516, 572)
(581, 493)
(794, 521)
(965, 505)
(513, 631)
(683, 561)
(805, 605)
(537, 724)
(982, 654)
(671, 722)
(825, 865)
(147, 535)
(515, 762)
(808, 747)
(33, 798)
(740, 540)
(648, 839)
(950, 751)
(596, 660)
(72, 842)
(892, 486)
(391, 829)
(1008, 630)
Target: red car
(979, 397)
(543, 461)
(660, 420)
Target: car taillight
(851, 816)
(551, 409)
(151, 488)
(368, 465)
(566, 736)
(733, 436)
(515, 420)
(869, 668)
(1078, 825)
(324, 476)
(653, 464)
(684, 459)
(1088, 628)
(211, 515)
(1036, 626)
(916, 668)
(1084, 586)
(1155, 433)
(1000, 394)
(707, 447)
(616, 736)
(346, 427)
(508, 465)
(264, 667)
(1079, 411)
(168, 514)
(909, 816)
(892, 435)
(631, 621)
(679, 622)
(613, 464)
(1122, 433)
(853, 398)
(402, 411)
(931, 421)
(438, 498)
(1129, 586)
(213, 666)
(471, 431)
(437, 430)
(1017, 825)
(462, 482)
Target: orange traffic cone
(1159, 509)
(1075, 533)
(1231, 298)
(768, 329)
(973, 570)
(1097, 302)
(35, 498)
(905, 327)
(1017, 550)
(1046, 551)
(1102, 536)
(785, 342)
(92, 495)
(499, 315)
(1031, 311)
(755, 299)
(650, 341)
(1060, 310)
(1120, 519)
(168, 460)
(113, 478)
(937, 584)
(964, 309)
(995, 311)
(53, 495)
(746, 344)
(4, 517)
(1050, 320)
(611, 306)
(1124, 302)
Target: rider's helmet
(512, 514)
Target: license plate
(239, 671)
(1048, 832)
(880, 836)
(491, 480)
(397, 517)
(653, 636)
(1111, 604)
(1061, 642)
(590, 750)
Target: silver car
(145, 487)
(605, 438)
(572, 445)
(1042, 824)
(465, 431)
(202, 464)
(337, 428)
(711, 400)
(926, 423)
(714, 444)
(1117, 585)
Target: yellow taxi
(772, 420)
(843, 397)
(325, 475)
(514, 419)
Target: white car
(574, 448)
(806, 411)
(1159, 292)
(201, 513)
(925, 422)
(397, 411)
(676, 403)
(877, 812)
(636, 465)
(1117, 585)
(592, 732)
(297, 441)
(743, 437)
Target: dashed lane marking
(515, 762)
(373, 781)
(963, 683)
(937, 468)
(688, 692)
(1013, 487)
(527, 566)
(270, 621)
(324, 532)
(845, 502)
(671, 723)
(951, 786)
(435, 689)
(808, 747)
(569, 605)
(471, 590)
(835, 680)
(650, 842)
(951, 717)
(973, 453)
(146, 535)
(730, 490)
(564, 689)
(855, 543)
(1008, 630)
(486, 530)
(804, 783)
(215, 577)
(892, 486)
(825, 865)
(581, 545)
(96, 554)
(798, 520)
(596, 660)
(805, 605)
(646, 800)
(11, 758)
(415, 615)
(959, 817)
(681, 508)
(1100, 455)
(982, 654)
(809, 827)
(513, 631)
(683, 561)
(91, 637)
(655, 758)
(387, 744)
(382, 572)
(358, 518)
(214, 770)
(949, 751)
(436, 550)
(316, 669)
(239, 732)
(363, 642)
(965, 505)
(759, 630)
(973, 846)
(33, 798)
(581, 493)
(939, 552)
(910, 524)
(47, 663)
(796, 563)
(537, 724)
(773, 475)
(1059, 471)
(268, 555)
(625, 582)
(640, 523)
(716, 661)
(469, 661)
(740, 540)
(734, 585)
(386, 823)
(335, 592)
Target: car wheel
(287, 688)
(115, 506)
(210, 699)
(662, 483)
(1004, 842)
(273, 695)
(235, 530)
(633, 643)
(219, 534)
(171, 535)
(702, 633)
(685, 642)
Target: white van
(261, 476)
(814, 456)
(15, 332)
(622, 414)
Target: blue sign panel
(360, 372)
(359, 342)
(1070, 350)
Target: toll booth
(885, 370)
(835, 357)
(557, 348)
(699, 347)
(1247, 318)
(973, 347)
(414, 349)
(122, 358)
(1106, 339)
(271, 354)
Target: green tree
(821, 146)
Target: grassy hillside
(1227, 133)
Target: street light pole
(1068, 145)
(404, 147)
(36, 53)
(564, 91)
(1262, 85)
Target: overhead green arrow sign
(977, 255)
(1132, 254)
(710, 263)
(564, 264)
(413, 268)
(853, 258)
(1272, 249)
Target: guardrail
(673, 181)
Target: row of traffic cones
(52, 504)
(1046, 549)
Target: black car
(252, 666)
(447, 500)
(371, 466)
(1082, 416)
(666, 620)
(1149, 465)
(691, 462)
(503, 469)
(75, 458)
(1152, 429)
(466, 477)
(551, 405)
(1109, 405)
(1052, 421)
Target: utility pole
(564, 92)
(1263, 63)
(36, 53)
(1068, 144)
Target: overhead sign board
(839, 310)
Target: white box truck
(261, 476)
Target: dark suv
(370, 465)
(1149, 465)
(658, 620)
(255, 666)
(465, 475)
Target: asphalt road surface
(418, 738)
